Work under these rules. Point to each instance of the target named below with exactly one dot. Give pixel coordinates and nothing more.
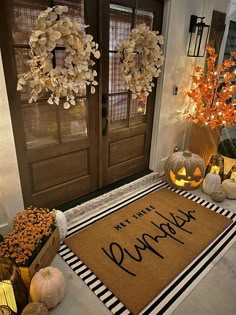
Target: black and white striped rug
(181, 286)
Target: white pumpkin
(61, 223)
(211, 183)
(219, 194)
(48, 286)
(229, 186)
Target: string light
(213, 92)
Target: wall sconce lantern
(198, 37)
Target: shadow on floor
(99, 192)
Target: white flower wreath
(141, 58)
(52, 30)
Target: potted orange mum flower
(33, 242)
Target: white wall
(169, 128)
(11, 200)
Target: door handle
(104, 114)
(104, 118)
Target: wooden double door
(64, 154)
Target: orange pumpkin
(185, 170)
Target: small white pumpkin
(61, 223)
(211, 182)
(229, 186)
(219, 194)
(48, 286)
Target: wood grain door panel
(73, 165)
(60, 194)
(126, 149)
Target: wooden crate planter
(43, 259)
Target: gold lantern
(13, 293)
(216, 166)
(232, 173)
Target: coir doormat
(139, 250)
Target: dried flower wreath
(141, 58)
(52, 30)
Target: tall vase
(204, 141)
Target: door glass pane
(74, 121)
(21, 56)
(75, 9)
(118, 111)
(40, 124)
(116, 81)
(120, 27)
(25, 14)
(120, 24)
(60, 55)
(144, 17)
(138, 111)
(41, 120)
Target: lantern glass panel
(198, 40)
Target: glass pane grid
(75, 9)
(74, 121)
(40, 125)
(40, 118)
(144, 17)
(60, 55)
(118, 109)
(25, 14)
(21, 57)
(116, 81)
(120, 26)
(138, 111)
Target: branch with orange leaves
(213, 92)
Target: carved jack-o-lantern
(184, 170)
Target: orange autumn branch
(213, 92)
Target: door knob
(105, 121)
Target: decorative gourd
(61, 223)
(219, 194)
(5, 310)
(35, 308)
(229, 186)
(184, 170)
(211, 182)
(48, 286)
